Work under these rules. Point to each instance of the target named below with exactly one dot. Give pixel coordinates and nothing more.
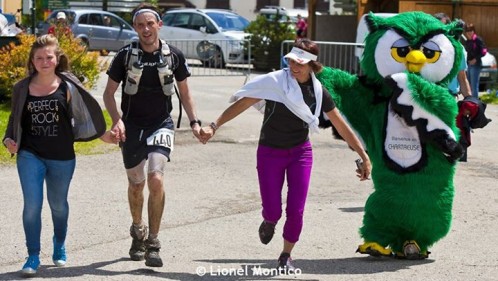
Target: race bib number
(162, 137)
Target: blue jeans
(473, 72)
(33, 171)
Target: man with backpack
(144, 127)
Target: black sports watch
(195, 121)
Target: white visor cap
(61, 15)
(300, 56)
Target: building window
(260, 4)
(218, 4)
(169, 4)
(300, 4)
(321, 5)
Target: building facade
(482, 13)
(247, 8)
(10, 6)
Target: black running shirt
(149, 106)
(281, 128)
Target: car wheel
(216, 60)
(84, 43)
(210, 55)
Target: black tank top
(281, 128)
(46, 125)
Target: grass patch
(82, 148)
(4, 118)
(491, 98)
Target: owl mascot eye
(405, 115)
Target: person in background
(107, 21)
(292, 100)
(301, 27)
(459, 84)
(144, 127)
(40, 131)
(476, 49)
(61, 26)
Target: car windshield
(229, 21)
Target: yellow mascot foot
(411, 251)
(373, 249)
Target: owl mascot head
(405, 115)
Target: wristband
(213, 126)
(195, 121)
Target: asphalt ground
(213, 211)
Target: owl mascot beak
(415, 60)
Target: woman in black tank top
(44, 147)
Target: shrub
(266, 39)
(84, 64)
(13, 60)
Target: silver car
(99, 30)
(212, 36)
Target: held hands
(196, 130)
(206, 134)
(119, 131)
(201, 134)
(109, 137)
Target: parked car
(488, 75)
(270, 12)
(212, 36)
(88, 25)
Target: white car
(213, 36)
(270, 12)
(488, 75)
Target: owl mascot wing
(405, 115)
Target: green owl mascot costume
(405, 115)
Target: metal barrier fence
(216, 57)
(341, 55)
(231, 57)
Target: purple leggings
(273, 164)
